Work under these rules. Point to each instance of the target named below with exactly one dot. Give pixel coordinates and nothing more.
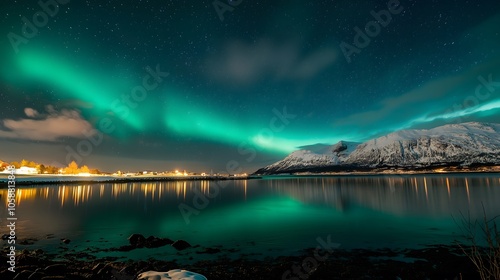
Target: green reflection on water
(272, 216)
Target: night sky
(201, 85)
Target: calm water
(272, 216)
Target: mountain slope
(465, 144)
(449, 145)
(316, 156)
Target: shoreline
(432, 262)
(26, 180)
(352, 170)
(380, 173)
(43, 179)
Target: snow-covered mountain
(449, 145)
(312, 157)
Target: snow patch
(175, 274)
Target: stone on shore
(175, 274)
(137, 240)
(181, 245)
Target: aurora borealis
(178, 87)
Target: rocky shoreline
(431, 262)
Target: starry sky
(231, 86)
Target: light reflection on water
(432, 194)
(75, 195)
(285, 213)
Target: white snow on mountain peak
(453, 144)
(318, 155)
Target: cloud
(442, 100)
(30, 112)
(314, 63)
(413, 102)
(51, 127)
(244, 64)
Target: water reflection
(419, 195)
(402, 195)
(282, 212)
(74, 195)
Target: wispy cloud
(440, 100)
(48, 127)
(243, 64)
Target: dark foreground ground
(434, 262)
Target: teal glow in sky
(173, 85)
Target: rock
(128, 269)
(105, 270)
(76, 276)
(98, 267)
(36, 275)
(38, 252)
(65, 240)
(28, 241)
(125, 248)
(175, 274)
(26, 259)
(209, 251)
(102, 269)
(25, 274)
(181, 245)
(31, 268)
(137, 240)
(55, 269)
(155, 242)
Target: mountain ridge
(466, 144)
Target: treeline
(72, 168)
